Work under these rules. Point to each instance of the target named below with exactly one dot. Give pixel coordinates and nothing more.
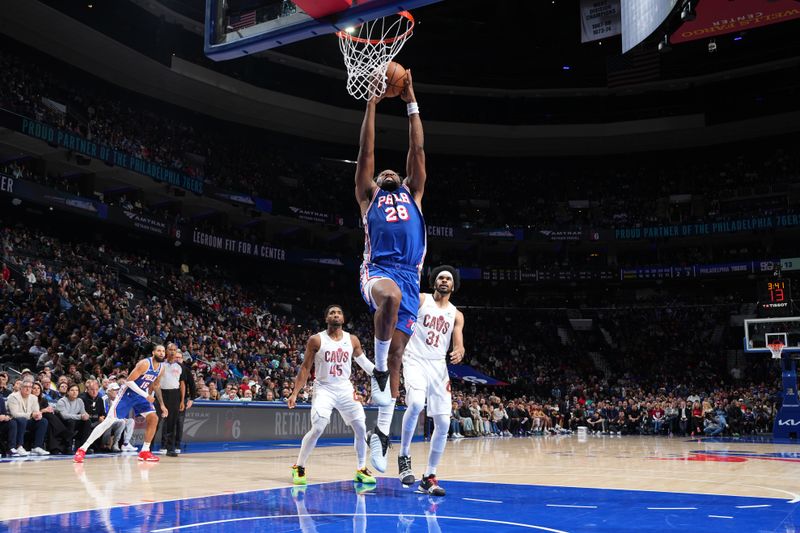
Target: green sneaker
(298, 475)
(364, 476)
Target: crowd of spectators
(74, 328)
(684, 187)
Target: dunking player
(138, 393)
(394, 251)
(332, 353)
(425, 373)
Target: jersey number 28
(393, 214)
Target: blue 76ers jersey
(395, 229)
(145, 380)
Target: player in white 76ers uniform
(425, 373)
(332, 352)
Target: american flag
(637, 66)
(242, 20)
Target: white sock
(382, 354)
(385, 417)
(438, 442)
(360, 442)
(146, 447)
(433, 461)
(415, 402)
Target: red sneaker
(147, 456)
(79, 455)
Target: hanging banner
(599, 19)
(718, 17)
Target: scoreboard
(775, 297)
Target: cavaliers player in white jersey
(331, 353)
(425, 373)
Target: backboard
(236, 28)
(758, 332)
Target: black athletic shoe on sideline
(429, 485)
(404, 467)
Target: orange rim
(406, 14)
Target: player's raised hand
(291, 402)
(456, 355)
(408, 91)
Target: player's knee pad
(415, 401)
(441, 423)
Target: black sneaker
(404, 467)
(429, 485)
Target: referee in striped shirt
(170, 389)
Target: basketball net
(369, 49)
(776, 348)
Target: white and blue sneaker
(378, 446)
(381, 392)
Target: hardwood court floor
(674, 465)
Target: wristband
(412, 108)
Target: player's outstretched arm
(359, 357)
(365, 165)
(457, 354)
(312, 347)
(415, 160)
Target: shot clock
(775, 297)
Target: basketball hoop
(776, 348)
(369, 49)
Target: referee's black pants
(169, 425)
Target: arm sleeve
(365, 363)
(136, 388)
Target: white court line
(572, 506)
(795, 497)
(751, 506)
(323, 515)
(672, 508)
(718, 516)
(484, 501)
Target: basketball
(395, 79)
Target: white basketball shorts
(326, 399)
(429, 376)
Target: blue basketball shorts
(407, 280)
(130, 400)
